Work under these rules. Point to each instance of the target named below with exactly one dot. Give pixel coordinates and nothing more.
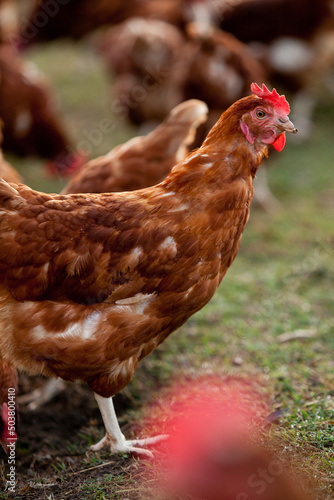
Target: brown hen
(140, 54)
(143, 161)
(90, 284)
(31, 123)
(155, 66)
(77, 18)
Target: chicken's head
(268, 121)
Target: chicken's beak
(285, 125)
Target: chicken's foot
(114, 438)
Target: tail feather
(181, 124)
(192, 113)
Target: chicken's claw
(128, 446)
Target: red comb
(273, 97)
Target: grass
(281, 281)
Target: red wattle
(279, 143)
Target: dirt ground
(52, 461)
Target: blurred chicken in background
(32, 125)
(218, 445)
(155, 67)
(78, 18)
(266, 20)
(217, 68)
(140, 56)
(145, 160)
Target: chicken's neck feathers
(216, 163)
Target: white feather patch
(121, 368)
(196, 155)
(169, 244)
(138, 303)
(80, 331)
(169, 193)
(179, 208)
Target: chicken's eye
(260, 113)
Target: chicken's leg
(114, 439)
